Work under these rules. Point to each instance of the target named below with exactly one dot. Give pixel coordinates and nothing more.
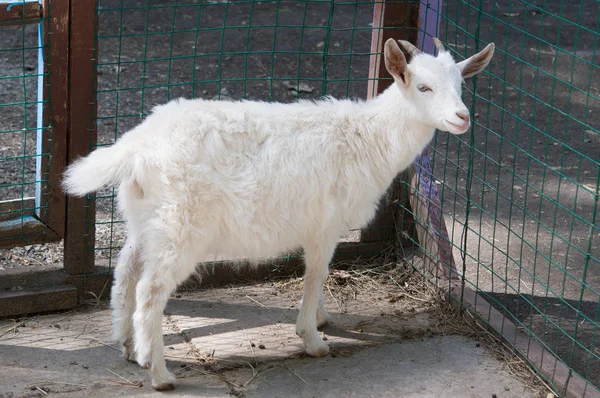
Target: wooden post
(398, 20)
(425, 200)
(401, 20)
(56, 88)
(80, 231)
(42, 218)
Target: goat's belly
(234, 238)
(247, 246)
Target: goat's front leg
(317, 257)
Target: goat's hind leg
(126, 275)
(159, 279)
(323, 317)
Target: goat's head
(433, 84)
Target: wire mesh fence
(150, 52)
(520, 191)
(23, 129)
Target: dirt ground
(533, 169)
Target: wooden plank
(430, 225)
(424, 196)
(20, 13)
(56, 87)
(398, 20)
(24, 302)
(573, 385)
(54, 287)
(81, 133)
(25, 230)
(16, 208)
(434, 235)
(391, 19)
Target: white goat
(200, 180)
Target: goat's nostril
(463, 116)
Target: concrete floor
(241, 342)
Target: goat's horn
(409, 47)
(438, 44)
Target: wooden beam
(16, 208)
(50, 290)
(391, 19)
(81, 135)
(56, 88)
(19, 12)
(398, 20)
(430, 225)
(25, 230)
(425, 200)
(24, 302)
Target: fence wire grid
(152, 51)
(519, 192)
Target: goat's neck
(396, 134)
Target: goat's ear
(475, 64)
(395, 62)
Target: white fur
(200, 180)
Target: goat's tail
(103, 167)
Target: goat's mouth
(456, 128)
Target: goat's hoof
(323, 317)
(317, 350)
(128, 352)
(164, 387)
(322, 322)
(129, 356)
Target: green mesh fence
(23, 166)
(152, 51)
(520, 192)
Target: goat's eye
(422, 88)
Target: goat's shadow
(245, 317)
